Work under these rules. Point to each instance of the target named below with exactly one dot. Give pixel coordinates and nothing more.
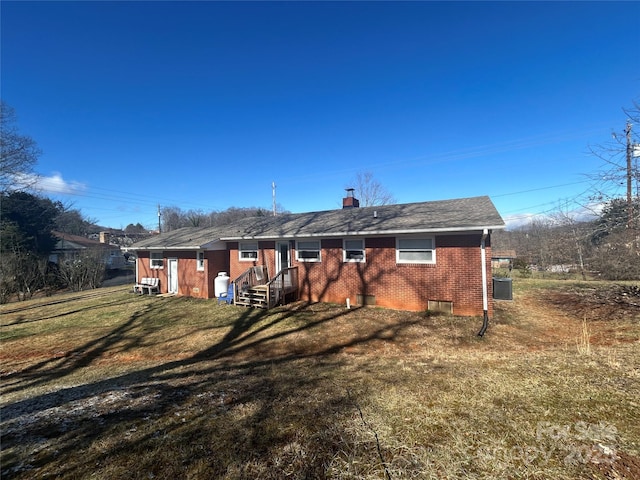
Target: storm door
(172, 276)
(283, 260)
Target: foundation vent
(440, 306)
(365, 300)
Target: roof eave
(468, 229)
(204, 246)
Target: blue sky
(202, 105)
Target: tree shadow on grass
(57, 300)
(223, 411)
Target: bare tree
(70, 220)
(617, 184)
(571, 237)
(619, 171)
(83, 271)
(21, 275)
(614, 254)
(196, 218)
(174, 217)
(18, 153)
(370, 191)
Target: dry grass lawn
(106, 384)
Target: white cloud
(579, 214)
(53, 184)
(514, 222)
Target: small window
(353, 251)
(200, 260)
(156, 260)
(308, 251)
(248, 252)
(415, 250)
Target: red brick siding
(455, 277)
(191, 281)
(145, 270)
(216, 261)
(266, 256)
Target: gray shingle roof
(184, 238)
(458, 215)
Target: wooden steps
(255, 297)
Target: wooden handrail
(258, 275)
(285, 281)
(280, 285)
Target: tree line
(604, 248)
(27, 239)
(30, 228)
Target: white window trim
(242, 250)
(151, 260)
(418, 262)
(200, 260)
(298, 250)
(345, 250)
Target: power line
(538, 189)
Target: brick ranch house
(416, 256)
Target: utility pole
(629, 177)
(159, 231)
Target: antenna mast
(273, 195)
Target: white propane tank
(221, 284)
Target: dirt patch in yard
(611, 302)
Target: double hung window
(156, 260)
(248, 251)
(353, 251)
(415, 250)
(308, 251)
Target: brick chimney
(350, 201)
(105, 237)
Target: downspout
(485, 299)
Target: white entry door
(172, 276)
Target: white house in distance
(71, 246)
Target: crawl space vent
(440, 306)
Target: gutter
(485, 294)
(205, 246)
(470, 230)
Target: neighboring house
(408, 256)
(502, 258)
(70, 246)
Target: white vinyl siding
(415, 250)
(308, 251)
